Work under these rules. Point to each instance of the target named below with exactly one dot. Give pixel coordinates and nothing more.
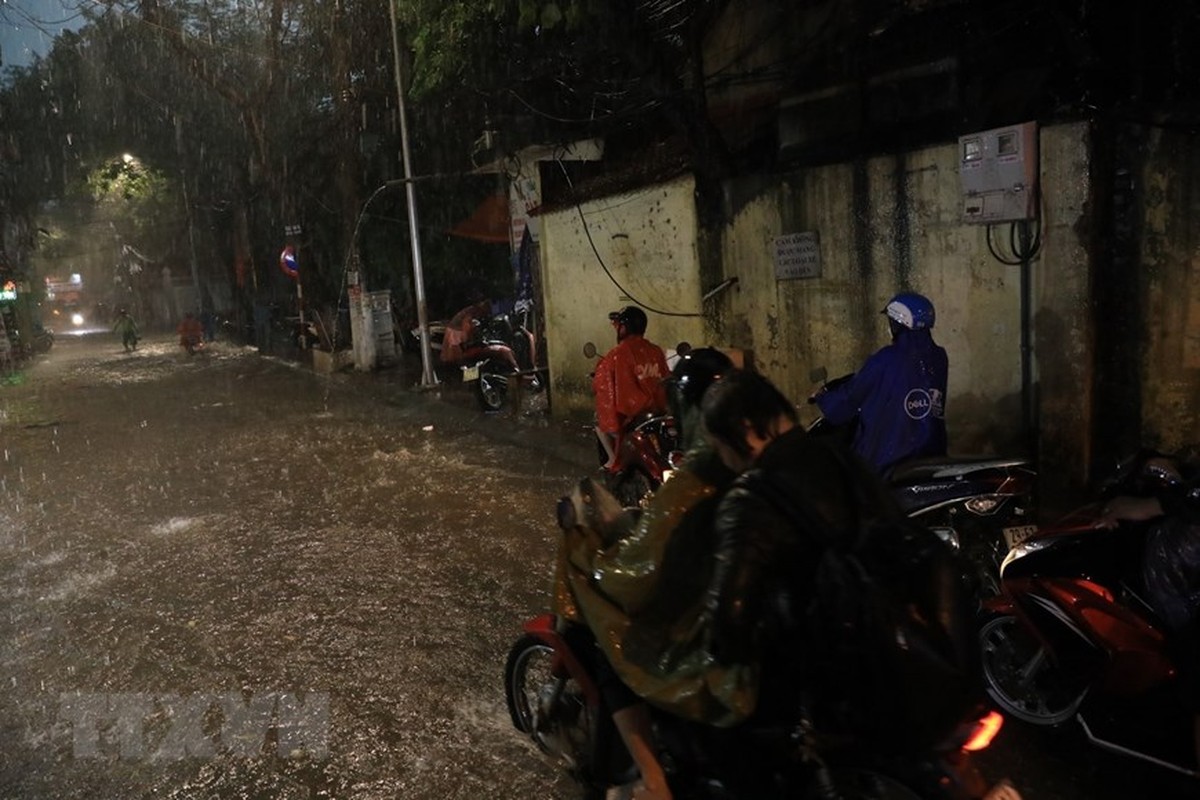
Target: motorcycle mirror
(683, 348)
(589, 350)
(818, 375)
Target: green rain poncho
(639, 583)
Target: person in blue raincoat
(899, 396)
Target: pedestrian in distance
(128, 330)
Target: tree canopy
(259, 117)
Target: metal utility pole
(428, 378)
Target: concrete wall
(891, 224)
(885, 224)
(646, 240)
(1169, 271)
(1063, 334)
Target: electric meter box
(999, 174)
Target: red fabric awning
(488, 223)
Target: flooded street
(230, 577)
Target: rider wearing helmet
(695, 371)
(628, 381)
(899, 395)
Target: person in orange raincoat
(191, 333)
(628, 381)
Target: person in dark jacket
(897, 401)
(765, 562)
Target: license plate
(470, 373)
(1015, 535)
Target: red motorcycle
(553, 698)
(646, 453)
(1075, 635)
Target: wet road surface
(231, 533)
(229, 577)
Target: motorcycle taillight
(984, 732)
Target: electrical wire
(1021, 251)
(600, 259)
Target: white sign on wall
(797, 255)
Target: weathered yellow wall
(647, 241)
(893, 224)
(886, 224)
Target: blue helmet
(911, 310)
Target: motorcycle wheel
(1021, 678)
(548, 707)
(491, 390)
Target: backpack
(890, 655)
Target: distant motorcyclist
(128, 329)
(191, 333)
(628, 381)
(898, 398)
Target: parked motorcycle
(501, 348)
(1074, 634)
(982, 505)
(553, 698)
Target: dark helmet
(632, 317)
(694, 373)
(910, 310)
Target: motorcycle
(553, 698)
(553, 695)
(501, 348)
(191, 344)
(43, 340)
(645, 454)
(1075, 633)
(983, 506)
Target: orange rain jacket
(629, 381)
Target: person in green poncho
(128, 329)
(638, 581)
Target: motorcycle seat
(950, 467)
